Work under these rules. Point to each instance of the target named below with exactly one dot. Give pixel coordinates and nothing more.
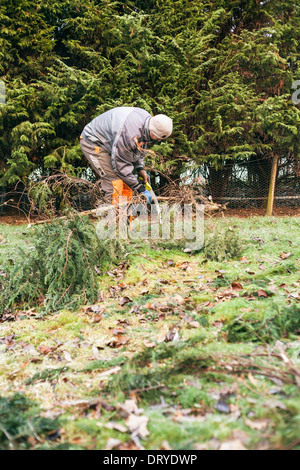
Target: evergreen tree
(222, 70)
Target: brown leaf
(248, 270)
(129, 407)
(118, 341)
(209, 304)
(149, 306)
(117, 426)
(259, 424)
(118, 331)
(48, 349)
(124, 300)
(138, 425)
(8, 340)
(97, 318)
(93, 309)
(123, 285)
(236, 285)
(262, 293)
(285, 255)
(184, 265)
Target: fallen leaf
(117, 341)
(138, 425)
(8, 340)
(262, 293)
(184, 265)
(97, 318)
(285, 255)
(68, 357)
(93, 308)
(118, 331)
(124, 300)
(209, 304)
(191, 321)
(149, 306)
(123, 285)
(248, 270)
(117, 426)
(129, 407)
(234, 444)
(259, 424)
(112, 443)
(236, 285)
(178, 299)
(48, 349)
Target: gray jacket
(121, 131)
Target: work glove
(141, 178)
(148, 195)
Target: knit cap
(161, 126)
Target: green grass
(223, 379)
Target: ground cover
(180, 351)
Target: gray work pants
(100, 161)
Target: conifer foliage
(61, 267)
(223, 70)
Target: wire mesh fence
(236, 185)
(246, 184)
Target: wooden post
(271, 194)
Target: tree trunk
(218, 179)
(272, 186)
(259, 171)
